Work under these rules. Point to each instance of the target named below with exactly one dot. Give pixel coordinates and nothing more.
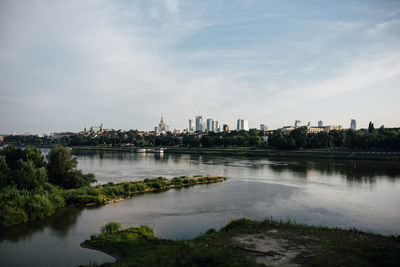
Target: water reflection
(59, 223)
(353, 170)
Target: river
(336, 193)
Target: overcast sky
(69, 64)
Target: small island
(244, 242)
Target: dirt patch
(270, 249)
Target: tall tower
(199, 123)
(190, 125)
(239, 125)
(210, 125)
(320, 123)
(245, 125)
(353, 124)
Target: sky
(66, 65)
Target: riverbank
(21, 206)
(264, 152)
(328, 154)
(247, 243)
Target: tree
(4, 172)
(371, 127)
(299, 136)
(62, 171)
(26, 176)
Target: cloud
(172, 6)
(380, 27)
(358, 74)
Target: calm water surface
(361, 194)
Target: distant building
(162, 127)
(296, 123)
(190, 125)
(242, 125)
(14, 133)
(210, 125)
(199, 123)
(1, 139)
(216, 126)
(96, 129)
(320, 123)
(225, 127)
(309, 124)
(263, 127)
(353, 124)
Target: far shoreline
(260, 152)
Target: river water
(336, 193)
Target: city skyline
(207, 125)
(67, 64)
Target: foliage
(323, 246)
(112, 235)
(62, 171)
(111, 227)
(371, 139)
(18, 206)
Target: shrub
(111, 227)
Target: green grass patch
(323, 246)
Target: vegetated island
(32, 189)
(244, 242)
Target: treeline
(233, 138)
(30, 187)
(387, 139)
(364, 139)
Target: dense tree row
(371, 139)
(364, 139)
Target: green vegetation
(382, 139)
(31, 189)
(62, 169)
(242, 243)
(371, 139)
(28, 185)
(111, 227)
(101, 194)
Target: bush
(111, 227)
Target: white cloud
(172, 6)
(380, 27)
(360, 73)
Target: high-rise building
(210, 127)
(190, 125)
(353, 124)
(199, 123)
(245, 125)
(320, 123)
(225, 127)
(216, 127)
(296, 123)
(242, 125)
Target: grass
(111, 192)
(326, 246)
